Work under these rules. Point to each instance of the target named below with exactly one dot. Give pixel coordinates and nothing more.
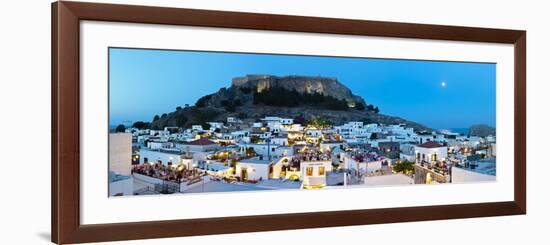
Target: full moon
(443, 84)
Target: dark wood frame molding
(65, 181)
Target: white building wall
(441, 153)
(362, 167)
(405, 157)
(280, 141)
(262, 149)
(120, 153)
(287, 121)
(315, 165)
(154, 156)
(255, 171)
(328, 146)
(197, 148)
(283, 151)
(196, 127)
(277, 167)
(160, 145)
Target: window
(321, 171)
(434, 157)
(309, 171)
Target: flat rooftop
(114, 177)
(220, 186)
(214, 167)
(173, 152)
(256, 161)
(389, 180)
(486, 166)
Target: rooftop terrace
(484, 166)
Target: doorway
(244, 174)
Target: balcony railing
(433, 167)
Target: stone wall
(421, 172)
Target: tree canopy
(202, 117)
(300, 119)
(202, 101)
(120, 128)
(372, 108)
(360, 106)
(403, 167)
(320, 123)
(180, 120)
(230, 106)
(141, 125)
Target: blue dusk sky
(441, 95)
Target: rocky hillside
(301, 84)
(482, 130)
(300, 97)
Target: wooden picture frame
(65, 175)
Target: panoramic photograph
(205, 122)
